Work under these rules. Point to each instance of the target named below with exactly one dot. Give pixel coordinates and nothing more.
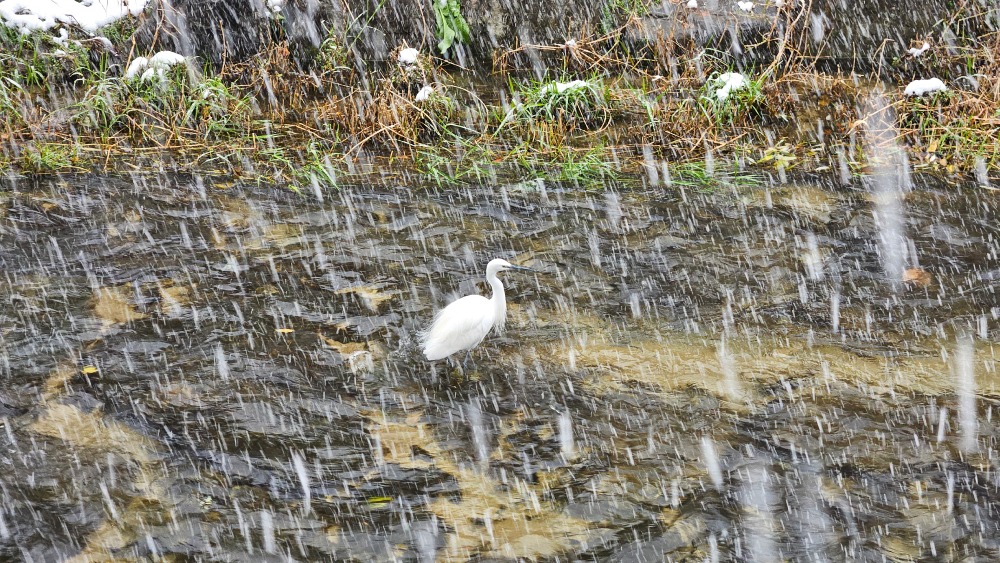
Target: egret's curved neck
(499, 301)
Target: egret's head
(498, 265)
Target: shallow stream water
(197, 369)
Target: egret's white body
(464, 323)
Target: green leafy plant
(332, 56)
(437, 168)
(474, 162)
(316, 165)
(332, 53)
(451, 25)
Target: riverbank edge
(606, 107)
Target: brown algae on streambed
(263, 393)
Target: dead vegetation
(608, 104)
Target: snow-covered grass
(407, 56)
(575, 102)
(31, 59)
(424, 94)
(174, 103)
(949, 130)
(916, 52)
(729, 95)
(154, 67)
(562, 87)
(727, 83)
(32, 15)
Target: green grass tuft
(42, 158)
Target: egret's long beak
(522, 268)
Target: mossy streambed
(197, 369)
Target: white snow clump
(424, 94)
(31, 15)
(921, 87)
(914, 52)
(728, 83)
(408, 56)
(157, 65)
(560, 87)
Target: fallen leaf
(87, 370)
(284, 330)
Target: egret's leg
(468, 353)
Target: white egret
(464, 323)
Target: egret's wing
(470, 313)
(459, 326)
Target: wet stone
(83, 401)
(144, 347)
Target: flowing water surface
(200, 370)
